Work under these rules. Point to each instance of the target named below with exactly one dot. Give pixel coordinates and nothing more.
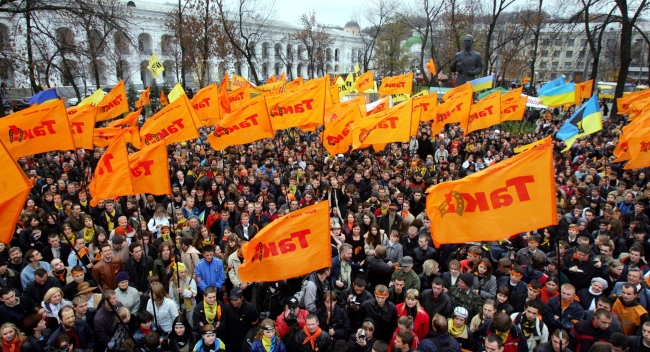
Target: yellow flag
(155, 66)
(175, 93)
(93, 99)
(238, 82)
(357, 69)
(346, 87)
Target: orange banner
(462, 89)
(173, 123)
(638, 144)
(130, 120)
(364, 82)
(584, 90)
(402, 84)
(624, 102)
(163, 98)
(334, 93)
(379, 106)
(432, 67)
(224, 102)
(485, 112)
(150, 170)
(13, 194)
(112, 176)
(37, 129)
(102, 137)
(303, 109)
(462, 210)
(335, 111)
(271, 79)
(336, 136)
(513, 105)
(206, 106)
(294, 85)
(454, 110)
(273, 253)
(239, 96)
(82, 124)
(113, 104)
(637, 107)
(144, 98)
(283, 76)
(428, 104)
(247, 124)
(622, 150)
(393, 125)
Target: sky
(329, 12)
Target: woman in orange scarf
(12, 338)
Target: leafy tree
(131, 94)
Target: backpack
(443, 347)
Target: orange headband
(381, 294)
(77, 272)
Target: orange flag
(205, 105)
(82, 123)
(584, 91)
(393, 125)
(402, 84)
(13, 194)
(113, 174)
(364, 82)
(378, 106)
(638, 144)
(632, 129)
(637, 107)
(239, 96)
(283, 76)
(271, 79)
(336, 136)
(144, 98)
(513, 105)
(247, 124)
(454, 110)
(273, 253)
(149, 170)
(334, 93)
(624, 102)
(113, 104)
(130, 120)
(173, 123)
(461, 211)
(432, 67)
(37, 129)
(163, 98)
(294, 85)
(303, 109)
(462, 89)
(224, 102)
(428, 105)
(485, 113)
(102, 137)
(335, 111)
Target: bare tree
(315, 40)
(498, 6)
(377, 13)
(533, 20)
(390, 58)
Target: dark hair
(30, 323)
(208, 248)
(144, 317)
(400, 278)
(534, 303)
(360, 282)
(134, 245)
(40, 272)
(502, 322)
(504, 290)
(152, 340)
(380, 346)
(438, 281)
(605, 299)
(618, 340)
(495, 338)
(406, 337)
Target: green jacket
(412, 279)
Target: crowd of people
(160, 273)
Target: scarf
(269, 344)
(502, 335)
(61, 276)
(564, 305)
(10, 346)
(527, 327)
(89, 234)
(311, 337)
(58, 207)
(211, 312)
(453, 330)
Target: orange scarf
(311, 337)
(11, 347)
(564, 305)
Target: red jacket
(282, 326)
(421, 321)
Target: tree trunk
(488, 41)
(30, 54)
(203, 82)
(180, 41)
(626, 59)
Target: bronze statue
(468, 63)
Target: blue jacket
(426, 345)
(256, 346)
(83, 330)
(218, 345)
(210, 274)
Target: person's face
(56, 298)
(107, 252)
(381, 300)
(411, 302)
(515, 277)
(488, 311)
(423, 243)
(491, 346)
(58, 265)
(311, 325)
(603, 323)
(8, 334)
(646, 334)
(40, 280)
(635, 256)
(531, 313)
(179, 330)
(567, 294)
(589, 216)
(54, 242)
(236, 302)
(208, 256)
(605, 306)
(454, 270)
(482, 269)
(398, 285)
(407, 269)
(9, 299)
(502, 298)
(110, 207)
(558, 345)
(68, 319)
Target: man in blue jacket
(209, 271)
(438, 337)
(74, 327)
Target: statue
(468, 63)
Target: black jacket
(235, 323)
(379, 273)
(33, 344)
(139, 272)
(36, 292)
(198, 316)
(12, 279)
(84, 332)
(385, 318)
(585, 334)
(441, 305)
(323, 342)
(338, 321)
(64, 253)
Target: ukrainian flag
(550, 85)
(558, 96)
(44, 96)
(482, 83)
(586, 120)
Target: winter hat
(122, 276)
(467, 278)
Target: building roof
(352, 24)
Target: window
(544, 53)
(558, 42)
(556, 53)
(568, 54)
(581, 54)
(543, 64)
(567, 65)
(546, 42)
(555, 65)
(580, 64)
(553, 75)
(570, 42)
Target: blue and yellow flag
(550, 85)
(482, 83)
(44, 97)
(558, 96)
(586, 120)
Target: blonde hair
(367, 325)
(19, 333)
(412, 294)
(429, 266)
(51, 292)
